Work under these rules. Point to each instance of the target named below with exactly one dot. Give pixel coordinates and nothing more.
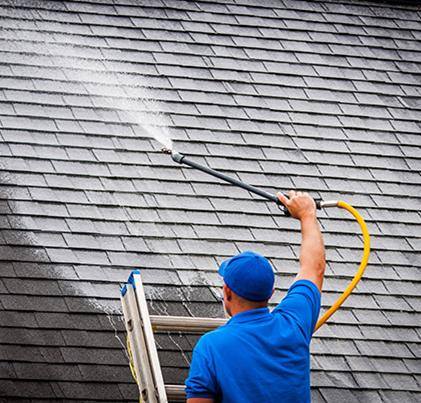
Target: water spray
(182, 159)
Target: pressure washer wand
(181, 159)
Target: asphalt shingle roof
(317, 95)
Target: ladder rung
(175, 393)
(185, 323)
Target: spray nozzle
(177, 157)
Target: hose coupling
(328, 203)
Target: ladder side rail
(149, 339)
(138, 348)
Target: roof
(317, 95)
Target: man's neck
(240, 309)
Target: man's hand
(312, 256)
(299, 204)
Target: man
(261, 356)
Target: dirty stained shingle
(323, 96)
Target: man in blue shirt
(261, 356)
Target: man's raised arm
(312, 255)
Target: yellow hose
(131, 365)
(360, 272)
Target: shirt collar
(250, 315)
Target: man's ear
(228, 292)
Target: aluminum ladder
(140, 327)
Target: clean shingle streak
(323, 96)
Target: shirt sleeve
(302, 303)
(201, 380)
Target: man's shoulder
(301, 287)
(213, 338)
(217, 333)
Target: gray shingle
(204, 247)
(332, 394)
(88, 391)
(338, 379)
(393, 396)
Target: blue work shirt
(258, 355)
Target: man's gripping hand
(299, 204)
